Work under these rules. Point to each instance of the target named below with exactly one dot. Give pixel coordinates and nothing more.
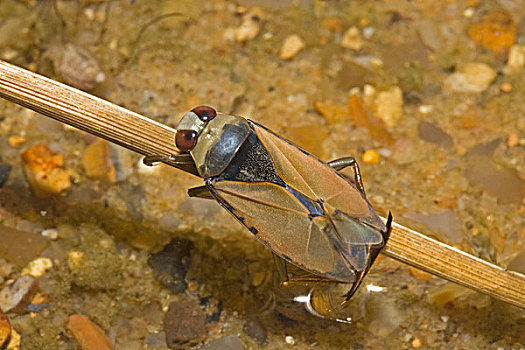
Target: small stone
(513, 140)
(289, 340)
(255, 330)
(97, 161)
(516, 59)
(425, 109)
(250, 26)
(469, 12)
(38, 267)
(5, 329)
(388, 105)
(417, 343)
(89, 335)
(45, 172)
(332, 113)
(505, 87)
(230, 342)
(50, 233)
(352, 39)
(170, 265)
(16, 141)
(78, 68)
(432, 133)
(5, 170)
(14, 342)
(184, 324)
(472, 77)
(20, 247)
(292, 45)
(371, 157)
(15, 297)
(156, 341)
(496, 31)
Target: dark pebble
(171, 264)
(432, 133)
(184, 324)
(230, 342)
(256, 331)
(5, 169)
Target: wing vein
(262, 202)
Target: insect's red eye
(204, 113)
(185, 140)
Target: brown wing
(312, 177)
(281, 222)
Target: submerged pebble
(78, 68)
(230, 342)
(20, 247)
(184, 324)
(170, 265)
(256, 330)
(496, 179)
(472, 77)
(16, 141)
(371, 157)
(292, 45)
(5, 329)
(38, 267)
(88, 334)
(15, 297)
(516, 60)
(97, 161)
(352, 39)
(250, 26)
(45, 171)
(434, 134)
(387, 104)
(5, 170)
(496, 31)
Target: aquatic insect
(303, 209)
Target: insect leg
(182, 161)
(152, 160)
(282, 270)
(200, 192)
(341, 163)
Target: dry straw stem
(148, 137)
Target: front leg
(200, 192)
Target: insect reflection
(300, 207)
